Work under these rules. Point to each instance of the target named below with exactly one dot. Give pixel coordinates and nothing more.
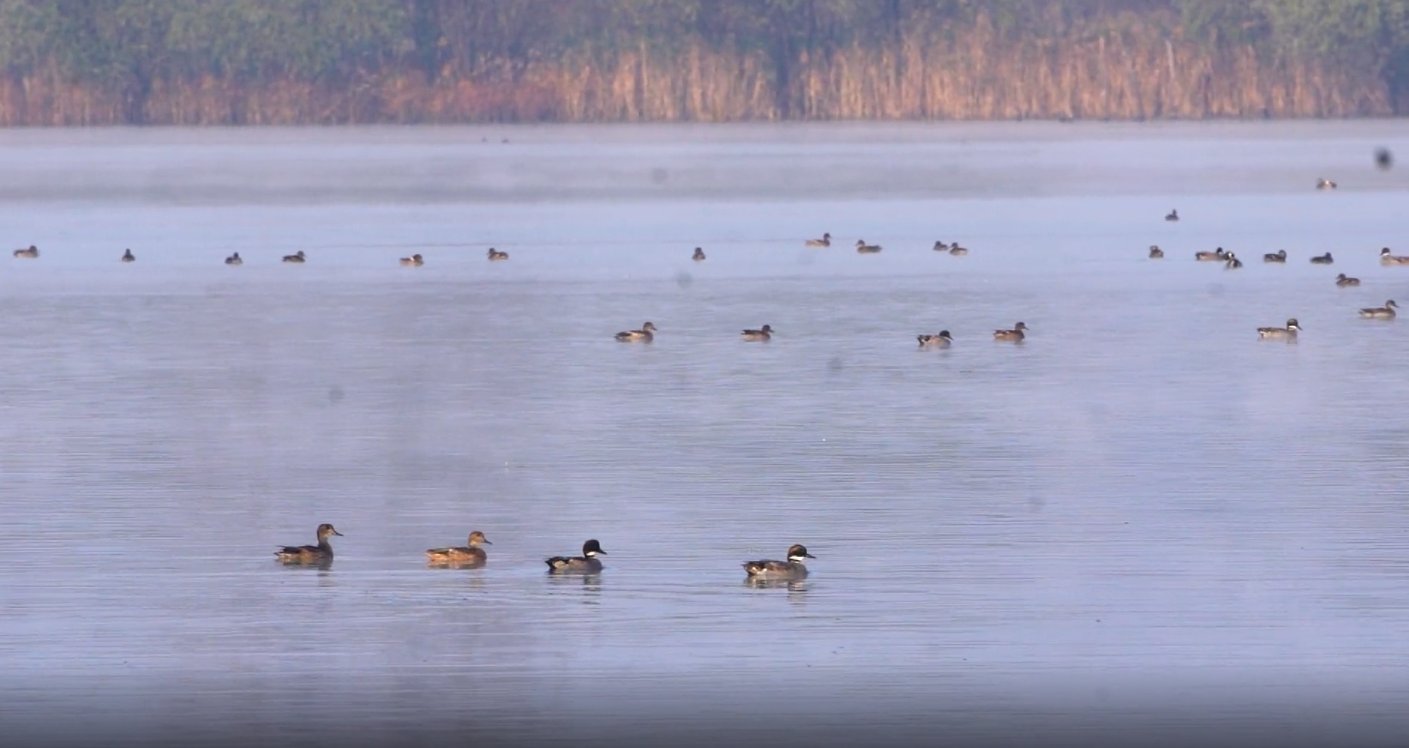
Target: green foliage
(1353, 32)
(1222, 21)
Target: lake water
(1140, 524)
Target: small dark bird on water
(1383, 158)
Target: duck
(1278, 256)
(31, 253)
(234, 259)
(792, 568)
(1326, 184)
(1380, 312)
(942, 340)
(1344, 280)
(763, 333)
(1324, 259)
(495, 255)
(941, 247)
(1217, 255)
(587, 563)
(1389, 258)
(1231, 262)
(958, 251)
(303, 554)
(127, 256)
(699, 255)
(644, 335)
(414, 261)
(296, 257)
(867, 249)
(1156, 253)
(1290, 331)
(1383, 158)
(469, 554)
(1172, 215)
(1016, 334)
(825, 241)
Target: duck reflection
(590, 584)
(321, 564)
(791, 585)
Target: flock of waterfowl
(1289, 331)
(942, 339)
(32, 253)
(472, 556)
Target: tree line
(333, 61)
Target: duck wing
(758, 567)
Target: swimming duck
(234, 259)
(1344, 280)
(763, 333)
(1278, 256)
(1016, 334)
(1172, 215)
(644, 335)
(295, 257)
(470, 554)
(1389, 258)
(1325, 184)
(31, 253)
(958, 251)
(127, 256)
(1289, 331)
(867, 249)
(699, 255)
(1156, 253)
(1380, 312)
(414, 261)
(302, 554)
(941, 247)
(1324, 259)
(587, 563)
(793, 568)
(942, 340)
(495, 255)
(1217, 255)
(825, 241)
(1231, 262)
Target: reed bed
(1128, 71)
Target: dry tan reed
(1125, 69)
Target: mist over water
(1141, 520)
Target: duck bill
(335, 532)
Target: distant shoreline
(447, 62)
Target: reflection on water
(321, 564)
(453, 564)
(1140, 516)
(791, 585)
(590, 586)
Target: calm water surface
(1141, 521)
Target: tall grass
(1125, 68)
